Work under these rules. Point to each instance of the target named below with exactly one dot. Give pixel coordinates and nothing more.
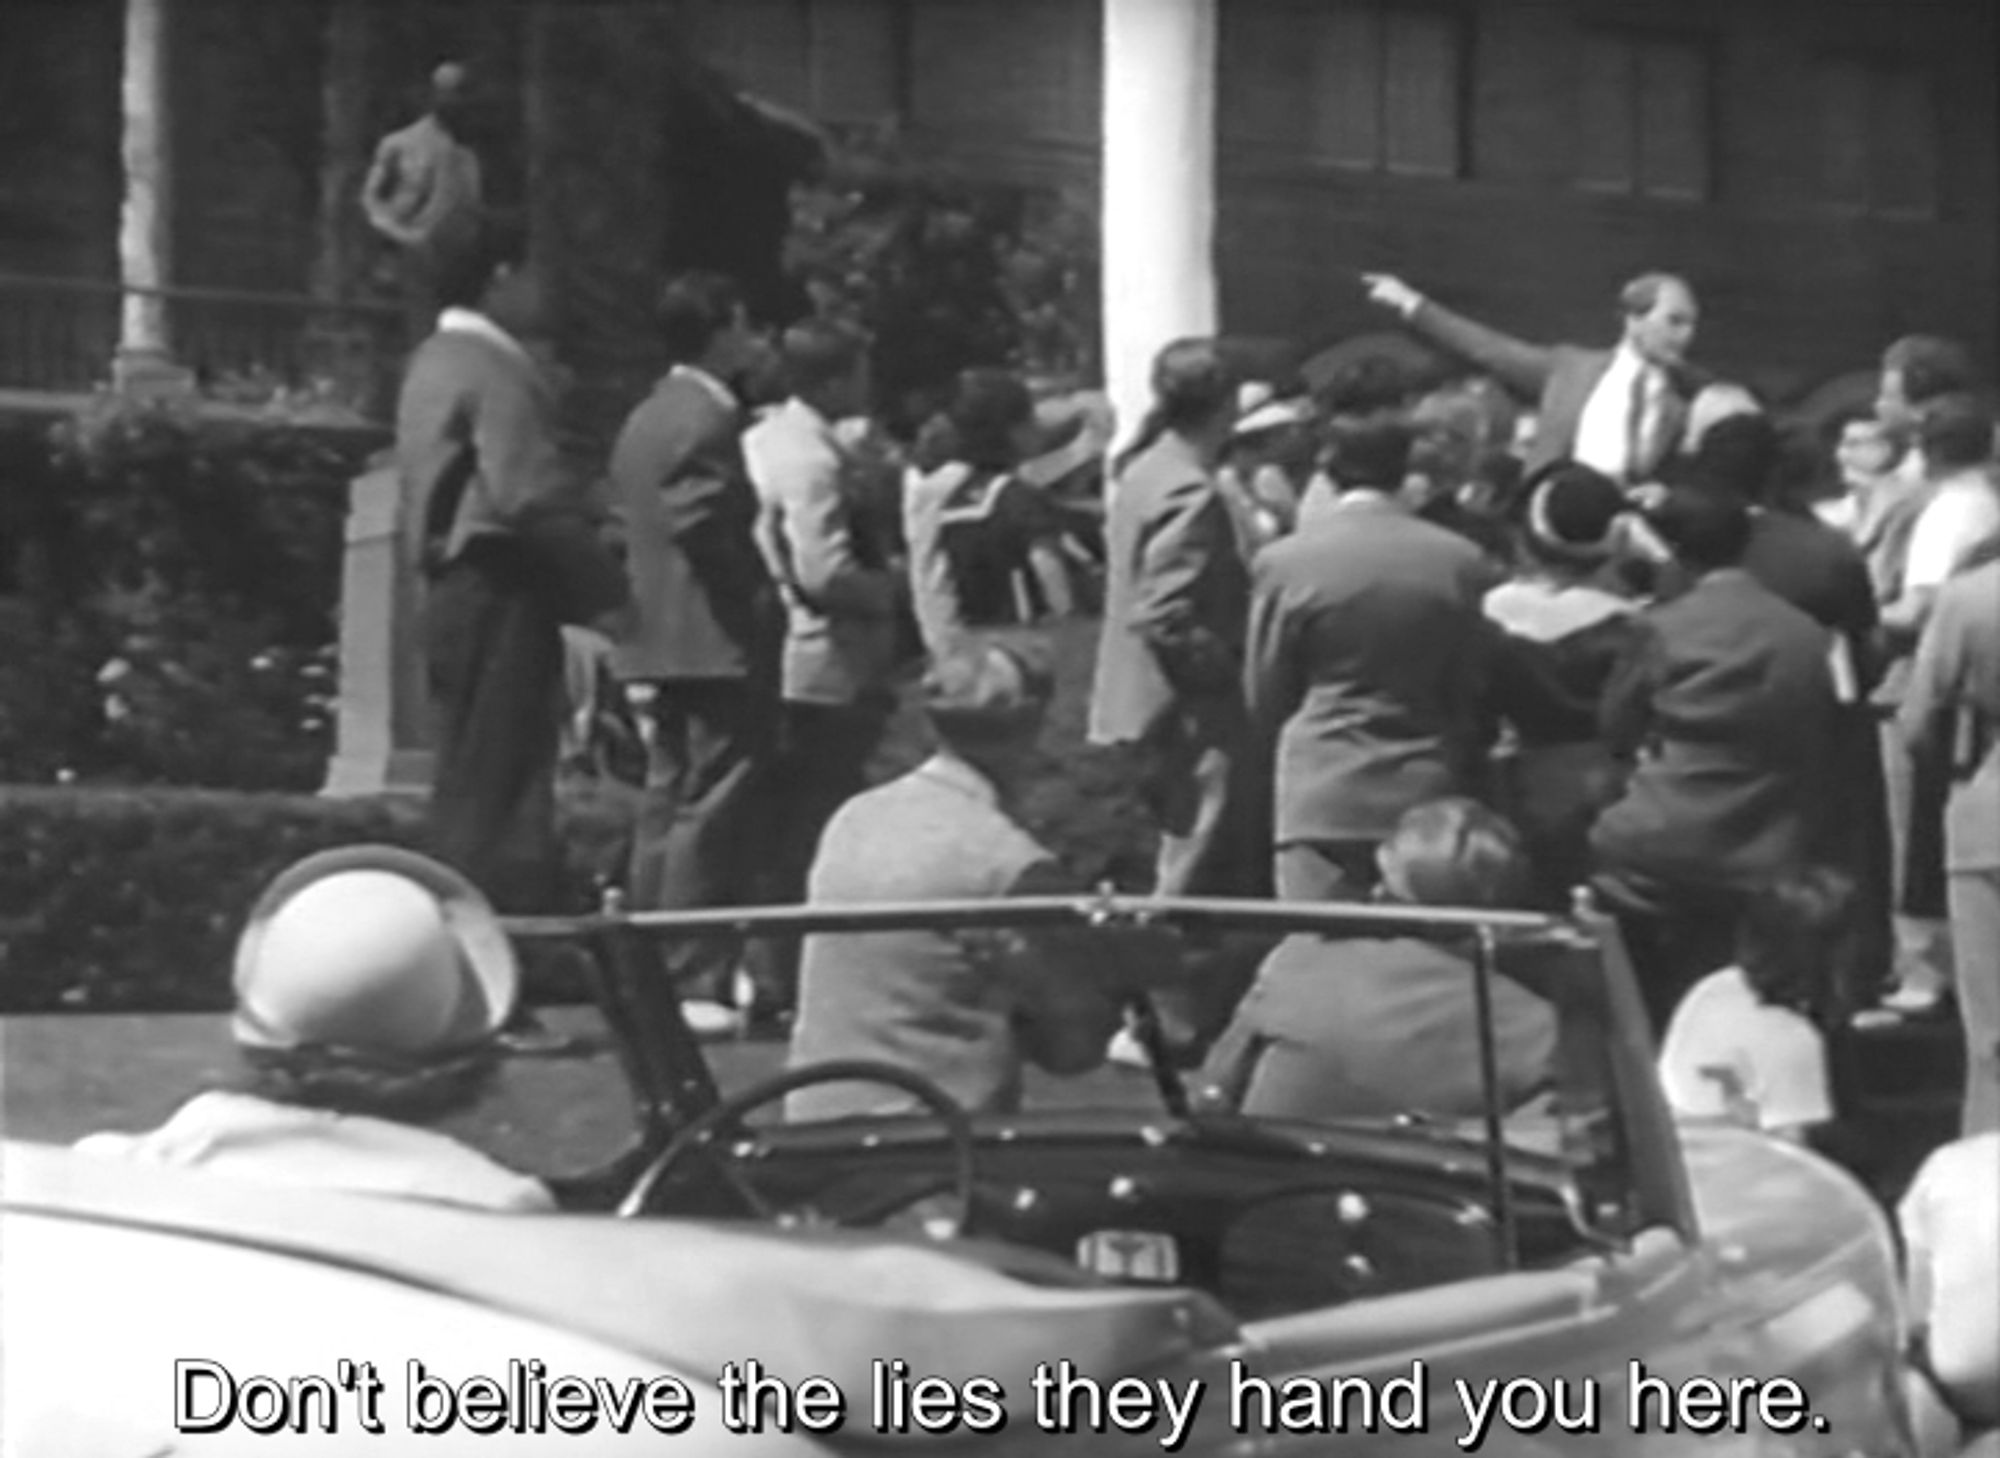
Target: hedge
(129, 899)
(169, 586)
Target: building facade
(1826, 171)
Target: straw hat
(375, 951)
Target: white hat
(373, 950)
(1259, 408)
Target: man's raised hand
(1391, 292)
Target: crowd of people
(1636, 645)
(1692, 659)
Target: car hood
(689, 1296)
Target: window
(1643, 115)
(1007, 68)
(1878, 137)
(1353, 85)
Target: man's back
(1367, 661)
(918, 999)
(1175, 593)
(701, 589)
(1729, 704)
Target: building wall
(1776, 151)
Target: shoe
(1914, 1002)
(527, 1036)
(707, 1018)
(1127, 1051)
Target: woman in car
(371, 984)
(1370, 1027)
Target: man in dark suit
(511, 550)
(1366, 666)
(1822, 573)
(1169, 662)
(1619, 410)
(1726, 705)
(700, 661)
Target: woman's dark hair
(1930, 366)
(692, 309)
(1739, 456)
(1370, 450)
(1706, 530)
(1192, 386)
(416, 1092)
(1788, 935)
(986, 409)
(1956, 432)
(818, 352)
(469, 250)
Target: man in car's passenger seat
(1375, 1026)
(370, 986)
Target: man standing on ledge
(1620, 411)
(425, 180)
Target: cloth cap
(375, 951)
(986, 683)
(1574, 512)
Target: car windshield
(1379, 1054)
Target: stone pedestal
(1158, 189)
(383, 717)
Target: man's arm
(378, 193)
(1065, 982)
(1524, 367)
(1929, 706)
(1625, 715)
(1272, 684)
(813, 522)
(1192, 534)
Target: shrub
(176, 576)
(946, 272)
(130, 899)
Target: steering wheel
(702, 1135)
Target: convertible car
(1578, 1269)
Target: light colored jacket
(840, 634)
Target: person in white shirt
(1744, 1045)
(1950, 1220)
(371, 984)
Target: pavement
(66, 1075)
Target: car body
(1287, 1283)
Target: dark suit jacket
(1823, 574)
(1175, 596)
(477, 417)
(704, 603)
(1369, 658)
(1560, 377)
(1728, 705)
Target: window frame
(1301, 155)
(1878, 69)
(1633, 40)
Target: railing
(58, 335)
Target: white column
(1158, 188)
(145, 223)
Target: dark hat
(1574, 511)
(988, 683)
